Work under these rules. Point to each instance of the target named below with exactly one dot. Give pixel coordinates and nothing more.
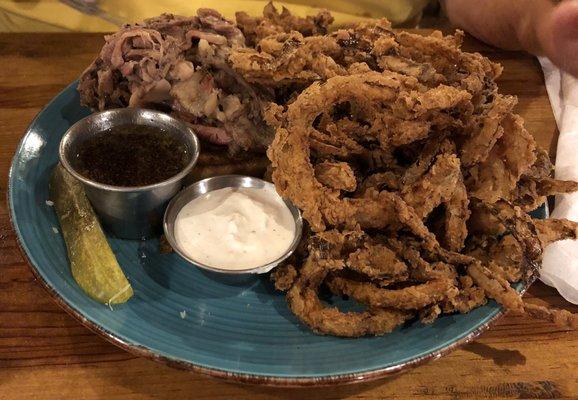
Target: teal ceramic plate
(186, 318)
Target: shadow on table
(500, 357)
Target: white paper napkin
(560, 265)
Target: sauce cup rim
(169, 234)
(113, 188)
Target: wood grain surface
(45, 354)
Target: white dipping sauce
(235, 228)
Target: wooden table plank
(46, 354)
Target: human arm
(540, 27)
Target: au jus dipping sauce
(131, 155)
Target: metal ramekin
(129, 212)
(219, 182)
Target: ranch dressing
(235, 228)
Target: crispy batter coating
(456, 216)
(284, 276)
(561, 318)
(552, 230)
(336, 175)
(530, 192)
(477, 147)
(288, 58)
(380, 180)
(512, 155)
(504, 256)
(496, 287)
(412, 297)
(306, 305)
(436, 186)
(412, 171)
(386, 97)
(429, 314)
(274, 22)
(377, 262)
(469, 297)
(522, 228)
(420, 269)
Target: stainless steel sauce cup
(129, 212)
(219, 182)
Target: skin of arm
(541, 27)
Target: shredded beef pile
(180, 65)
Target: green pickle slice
(92, 262)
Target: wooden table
(45, 354)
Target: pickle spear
(93, 264)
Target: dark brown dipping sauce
(131, 155)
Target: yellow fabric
(14, 23)
(28, 15)
(52, 15)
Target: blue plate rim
(266, 380)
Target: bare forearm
(509, 24)
(541, 27)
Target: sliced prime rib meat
(179, 65)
